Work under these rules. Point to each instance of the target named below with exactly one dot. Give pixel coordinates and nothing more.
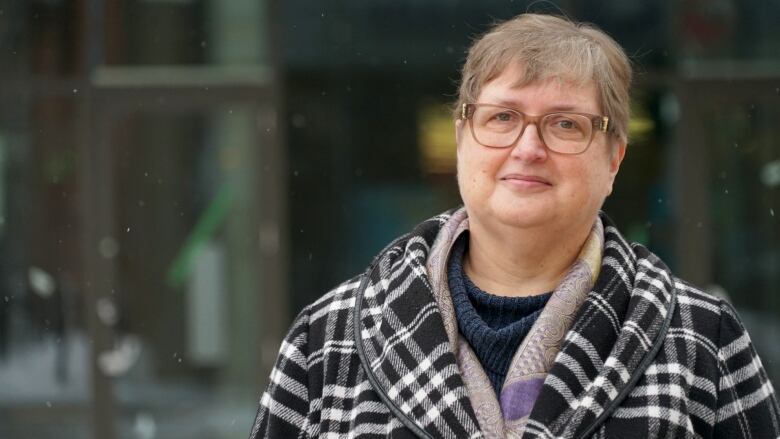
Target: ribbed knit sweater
(493, 325)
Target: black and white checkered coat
(648, 356)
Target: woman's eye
(566, 124)
(503, 117)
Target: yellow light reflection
(436, 138)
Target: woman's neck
(521, 262)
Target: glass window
(44, 341)
(144, 251)
(744, 207)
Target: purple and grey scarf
(505, 417)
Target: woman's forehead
(512, 88)
(519, 73)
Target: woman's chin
(522, 215)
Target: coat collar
(405, 352)
(402, 343)
(617, 332)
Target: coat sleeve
(284, 406)
(747, 406)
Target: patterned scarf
(527, 371)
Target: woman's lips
(526, 181)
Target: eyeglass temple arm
(604, 124)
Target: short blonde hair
(546, 47)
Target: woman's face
(527, 185)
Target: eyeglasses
(564, 132)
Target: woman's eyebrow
(566, 107)
(517, 105)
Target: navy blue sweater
(493, 325)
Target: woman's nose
(530, 147)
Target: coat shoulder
(346, 290)
(702, 313)
(329, 318)
(697, 299)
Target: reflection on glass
(744, 198)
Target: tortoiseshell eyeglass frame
(600, 123)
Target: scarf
(505, 417)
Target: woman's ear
(618, 153)
(615, 159)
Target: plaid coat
(647, 356)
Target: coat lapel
(406, 353)
(615, 329)
(404, 346)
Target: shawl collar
(617, 332)
(402, 342)
(409, 362)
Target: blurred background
(178, 178)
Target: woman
(525, 312)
